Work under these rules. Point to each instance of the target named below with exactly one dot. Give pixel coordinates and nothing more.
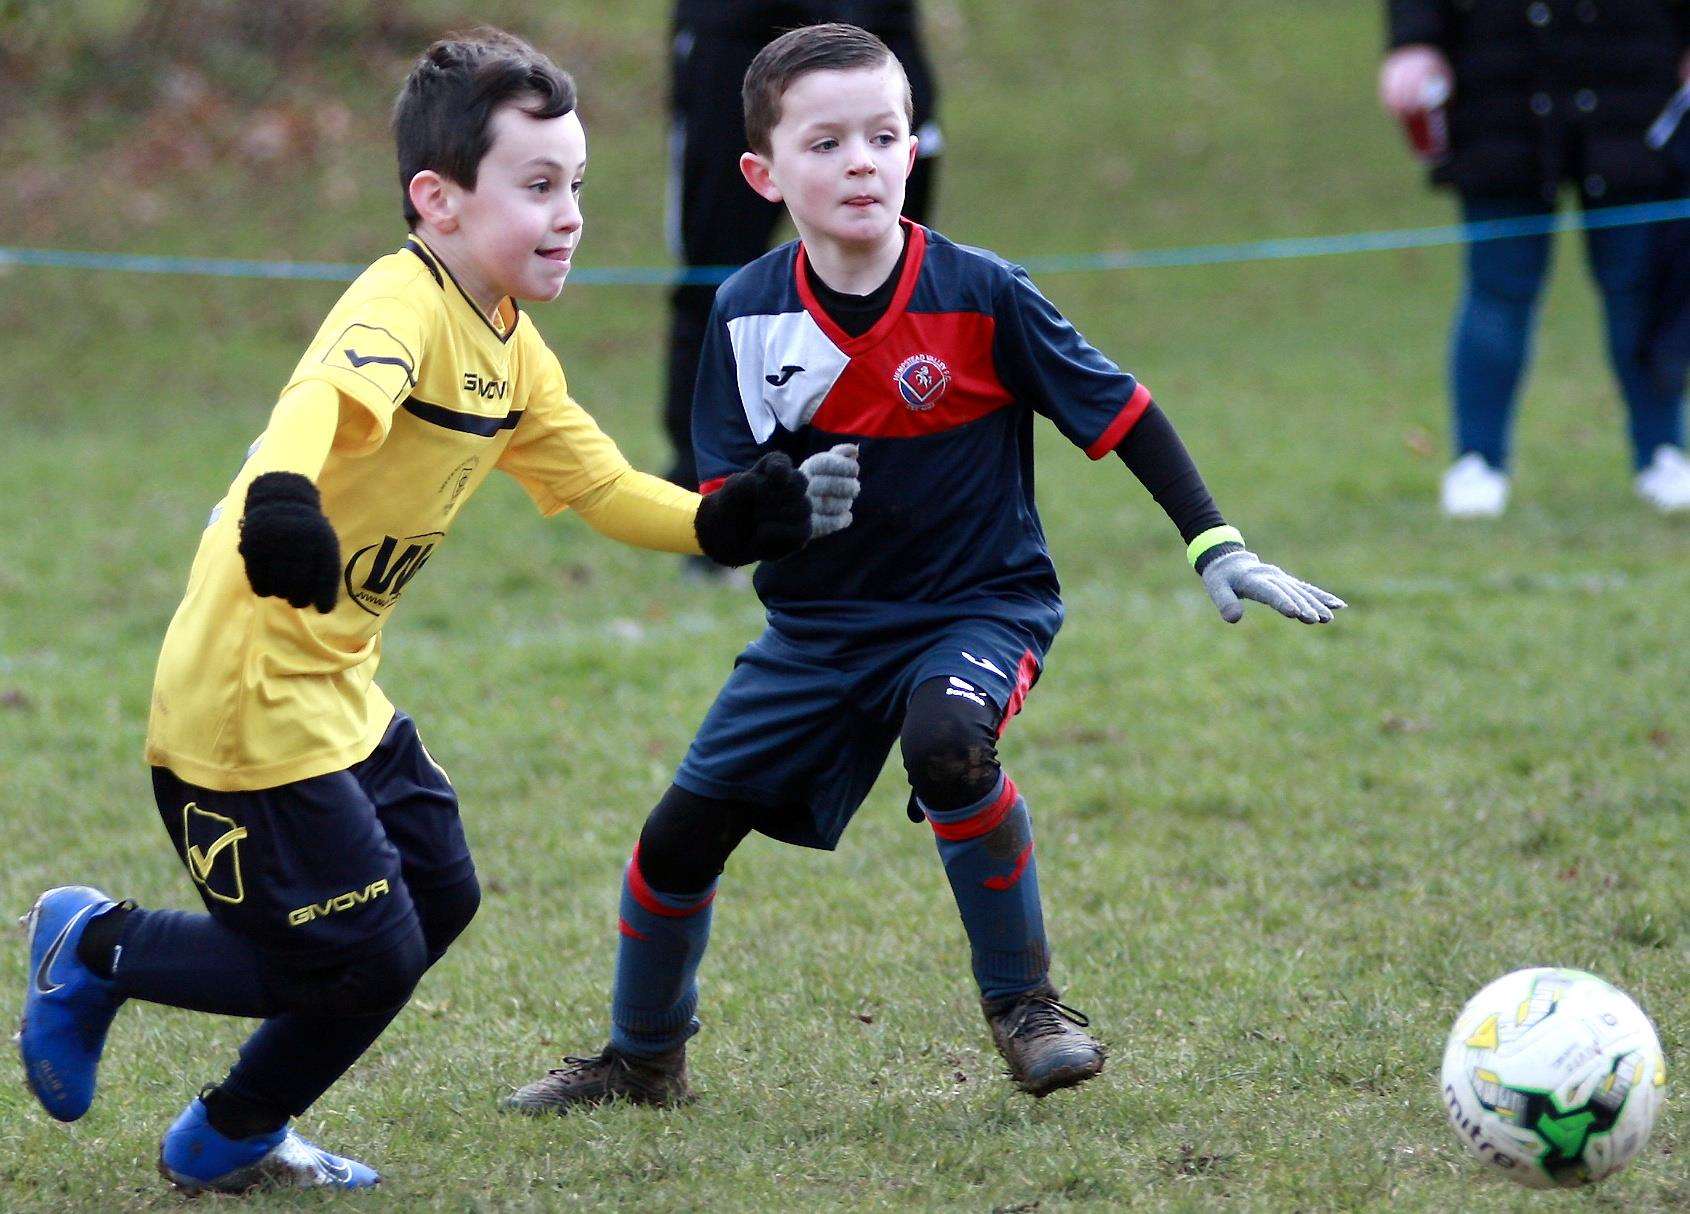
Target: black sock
(98, 947)
(237, 1117)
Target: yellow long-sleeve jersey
(432, 396)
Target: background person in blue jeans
(1543, 93)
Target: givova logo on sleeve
(372, 353)
(211, 848)
(377, 573)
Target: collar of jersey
(894, 311)
(443, 274)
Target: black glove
(289, 547)
(757, 515)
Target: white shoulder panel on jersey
(787, 366)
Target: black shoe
(660, 1080)
(1042, 1040)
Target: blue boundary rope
(656, 276)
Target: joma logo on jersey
(338, 903)
(486, 389)
(377, 573)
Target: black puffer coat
(1548, 91)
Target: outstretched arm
(637, 508)
(1230, 572)
(768, 511)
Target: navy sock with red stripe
(663, 937)
(987, 850)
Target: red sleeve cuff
(710, 486)
(1124, 421)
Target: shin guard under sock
(663, 937)
(987, 850)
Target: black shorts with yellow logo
(323, 867)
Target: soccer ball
(1553, 1077)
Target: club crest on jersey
(922, 380)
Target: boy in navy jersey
(927, 621)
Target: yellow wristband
(1208, 539)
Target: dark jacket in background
(1548, 91)
(762, 20)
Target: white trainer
(1473, 489)
(1665, 483)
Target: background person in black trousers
(714, 217)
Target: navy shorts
(322, 867)
(805, 736)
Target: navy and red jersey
(940, 395)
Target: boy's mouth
(562, 253)
(862, 200)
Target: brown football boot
(1042, 1041)
(660, 1080)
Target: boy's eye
(577, 186)
(541, 187)
(824, 145)
(885, 139)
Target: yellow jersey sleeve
(301, 431)
(371, 350)
(558, 453)
(643, 510)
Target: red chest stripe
(931, 372)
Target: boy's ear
(435, 200)
(915, 145)
(756, 172)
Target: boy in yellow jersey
(324, 840)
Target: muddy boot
(1042, 1040)
(659, 1080)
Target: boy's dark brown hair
(832, 47)
(441, 117)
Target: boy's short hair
(441, 117)
(832, 47)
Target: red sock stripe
(984, 822)
(627, 929)
(645, 897)
(1003, 883)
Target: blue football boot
(197, 1159)
(67, 1008)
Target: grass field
(1276, 860)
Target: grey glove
(1241, 575)
(832, 485)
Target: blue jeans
(1492, 335)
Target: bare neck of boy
(853, 268)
